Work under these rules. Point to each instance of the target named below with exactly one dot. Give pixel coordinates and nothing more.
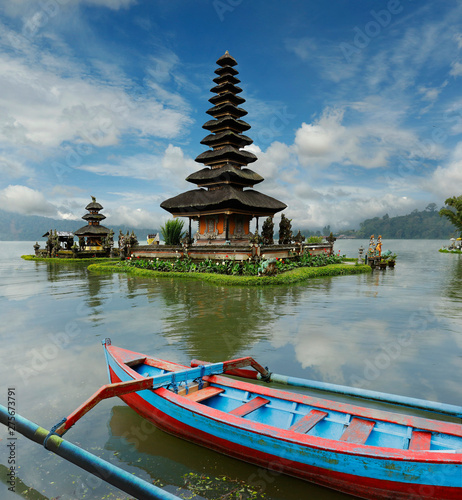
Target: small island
(223, 249)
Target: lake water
(398, 331)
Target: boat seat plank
(308, 421)
(420, 441)
(203, 394)
(358, 431)
(250, 406)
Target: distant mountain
(16, 227)
(426, 224)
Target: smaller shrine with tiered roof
(92, 236)
(224, 203)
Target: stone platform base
(233, 252)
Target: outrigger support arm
(105, 392)
(233, 367)
(164, 380)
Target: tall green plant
(172, 231)
(267, 233)
(453, 211)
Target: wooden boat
(368, 453)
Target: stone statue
(54, 244)
(255, 239)
(299, 238)
(378, 247)
(133, 239)
(49, 243)
(331, 238)
(371, 250)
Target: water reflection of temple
(215, 323)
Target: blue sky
(355, 107)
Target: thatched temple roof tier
(227, 97)
(226, 109)
(226, 154)
(226, 78)
(224, 200)
(226, 60)
(94, 205)
(226, 122)
(228, 173)
(92, 231)
(226, 87)
(94, 217)
(226, 137)
(226, 70)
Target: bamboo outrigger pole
(110, 473)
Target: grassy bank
(293, 276)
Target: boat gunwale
(285, 435)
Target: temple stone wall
(219, 253)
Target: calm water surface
(397, 331)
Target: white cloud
(368, 145)
(269, 163)
(458, 39)
(446, 181)
(27, 201)
(51, 8)
(177, 164)
(345, 207)
(429, 93)
(110, 4)
(456, 69)
(48, 99)
(133, 217)
(43, 108)
(12, 168)
(171, 167)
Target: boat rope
(200, 380)
(267, 377)
(186, 386)
(53, 432)
(173, 383)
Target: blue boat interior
(313, 421)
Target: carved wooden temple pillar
(223, 205)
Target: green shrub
(314, 240)
(233, 267)
(172, 231)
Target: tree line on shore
(424, 224)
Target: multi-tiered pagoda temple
(224, 205)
